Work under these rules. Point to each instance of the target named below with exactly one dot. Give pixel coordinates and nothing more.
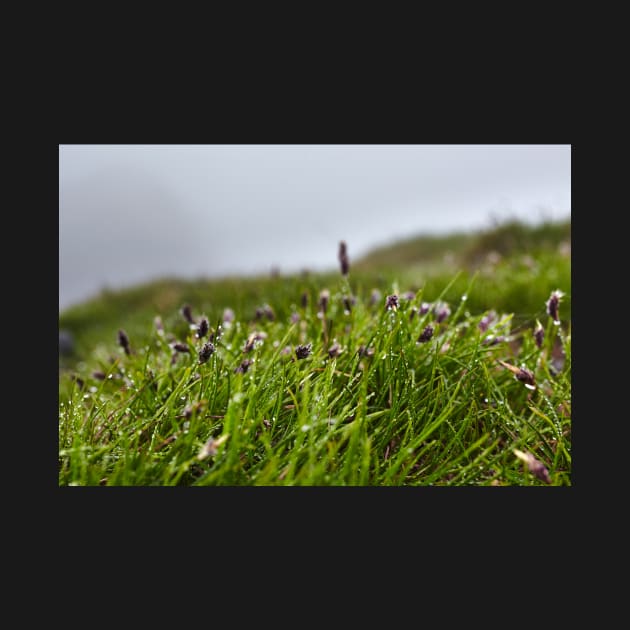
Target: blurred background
(129, 214)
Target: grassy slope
(442, 412)
(503, 282)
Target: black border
(453, 111)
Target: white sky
(132, 213)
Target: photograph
(323, 315)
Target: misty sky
(132, 213)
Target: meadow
(438, 361)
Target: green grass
(369, 404)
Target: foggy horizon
(130, 214)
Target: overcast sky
(132, 213)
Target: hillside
(501, 260)
(468, 249)
(446, 369)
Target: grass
(326, 379)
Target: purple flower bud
(441, 312)
(303, 351)
(522, 374)
(324, 297)
(334, 350)
(243, 367)
(424, 308)
(206, 351)
(552, 305)
(537, 468)
(539, 334)
(180, 347)
(252, 339)
(426, 334)
(527, 377)
(304, 299)
(486, 320)
(391, 302)
(203, 328)
(123, 340)
(343, 259)
(187, 313)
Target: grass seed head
(334, 350)
(553, 304)
(206, 351)
(324, 298)
(441, 311)
(486, 320)
(391, 302)
(187, 314)
(203, 328)
(303, 350)
(123, 341)
(537, 468)
(344, 261)
(426, 334)
(521, 374)
(539, 334)
(252, 339)
(209, 449)
(243, 367)
(364, 351)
